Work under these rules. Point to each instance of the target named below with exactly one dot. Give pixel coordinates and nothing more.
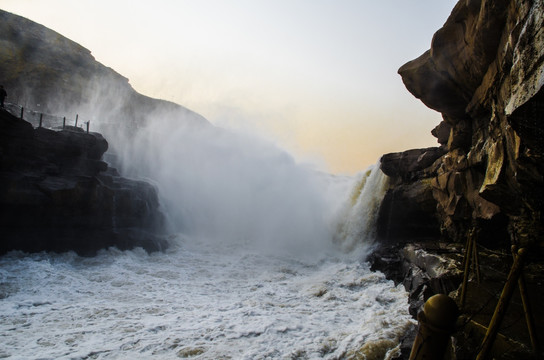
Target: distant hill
(43, 70)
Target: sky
(317, 77)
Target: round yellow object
(441, 311)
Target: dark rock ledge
(56, 194)
(485, 73)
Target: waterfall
(357, 219)
(237, 188)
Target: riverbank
(429, 268)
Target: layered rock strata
(56, 194)
(485, 73)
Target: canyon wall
(484, 73)
(56, 194)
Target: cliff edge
(56, 194)
(484, 73)
(485, 180)
(47, 72)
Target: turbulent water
(196, 301)
(267, 262)
(202, 299)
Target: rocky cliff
(485, 73)
(44, 71)
(56, 194)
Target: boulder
(410, 165)
(442, 132)
(423, 269)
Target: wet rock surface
(485, 73)
(56, 194)
(428, 268)
(423, 268)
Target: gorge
(484, 72)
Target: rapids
(266, 262)
(196, 301)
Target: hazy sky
(319, 77)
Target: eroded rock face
(485, 73)
(56, 194)
(408, 210)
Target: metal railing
(39, 119)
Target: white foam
(197, 300)
(253, 276)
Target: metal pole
(41, 117)
(77, 116)
(528, 311)
(22, 110)
(468, 257)
(436, 324)
(502, 305)
(475, 260)
(529, 317)
(88, 126)
(63, 122)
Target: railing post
(63, 122)
(527, 310)
(41, 117)
(22, 111)
(467, 260)
(77, 116)
(502, 304)
(436, 324)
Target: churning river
(265, 263)
(196, 301)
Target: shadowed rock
(56, 194)
(44, 70)
(485, 74)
